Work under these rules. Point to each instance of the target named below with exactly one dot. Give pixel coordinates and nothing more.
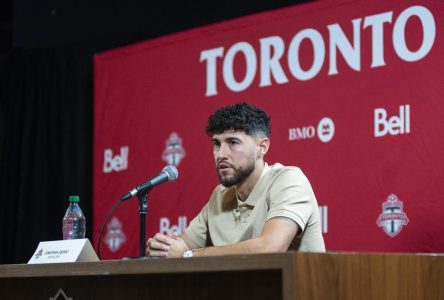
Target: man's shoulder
(279, 175)
(278, 169)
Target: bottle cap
(74, 199)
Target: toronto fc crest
(393, 217)
(115, 237)
(174, 151)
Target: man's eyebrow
(228, 139)
(233, 138)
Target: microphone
(169, 173)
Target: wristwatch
(188, 253)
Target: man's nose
(222, 151)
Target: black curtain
(46, 111)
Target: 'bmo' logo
(393, 125)
(325, 131)
(118, 162)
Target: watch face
(188, 253)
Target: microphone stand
(143, 206)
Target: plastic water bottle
(74, 224)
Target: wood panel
(267, 276)
(368, 276)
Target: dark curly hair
(239, 117)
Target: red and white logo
(393, 217)
(323, 215)
(174, 151)
(116, 163)
(115, 237)
(395, 124)
(325, 131)
(166, 226)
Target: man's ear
(264, 145)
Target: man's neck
(244, 189)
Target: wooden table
(290, 275)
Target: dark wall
(46, 100)
(50, 22)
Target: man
(257, 208)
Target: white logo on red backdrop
(166, 227)
(273, 48)
(174, 151)
(323, 215)
(393, 217)
(115, 237)
(325, 131)
(115, 163)
(394, 125)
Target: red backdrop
(355, 91)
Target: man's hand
(165, 246)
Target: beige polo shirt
(280, 192)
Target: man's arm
(276, 236)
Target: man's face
(235, 154)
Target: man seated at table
(257, 208)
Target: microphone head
(171, 172)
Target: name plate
(63, 251)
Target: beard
(240, 173)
